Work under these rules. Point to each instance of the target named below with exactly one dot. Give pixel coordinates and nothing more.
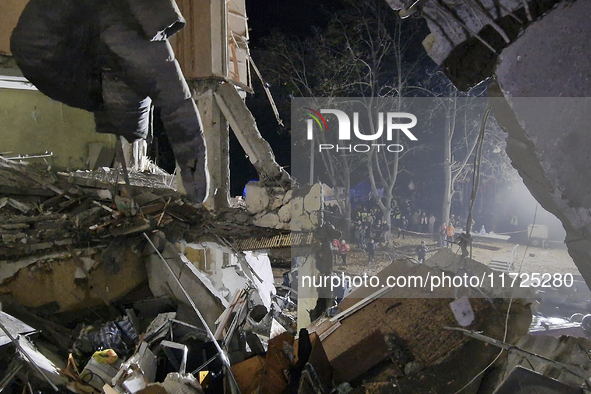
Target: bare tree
(375, 39)
(456, 151)
(464, 114)
(315, 69)
(362, 53)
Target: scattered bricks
(313, 200)
(268, 220)
(285, 213)
(287, 197)
(257, 198)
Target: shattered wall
(198, 285)
(55, 284)
(32, 123)
(229, 273)
(299, 210)
(10, 10)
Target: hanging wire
(476, 172)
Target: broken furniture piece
(169, 349)
(505, 265)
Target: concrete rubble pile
(126, 288)
(114, 287)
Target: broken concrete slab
(14, 326)
(565, 350)
(466, 37)
(9, 268)
(264, 280)
(196, 282)
(52, 280)
(244, 125)
(41, 361)
(522, 380)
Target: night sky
(292, 18)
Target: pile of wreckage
(122, 287)
(126, 284)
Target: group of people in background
(368, 223)
(368, 236)
(369, 229)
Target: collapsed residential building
(128, 293)
(122, 285)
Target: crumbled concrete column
(215, 130)
(244, 126)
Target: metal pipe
(25, 157)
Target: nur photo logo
(350, 131)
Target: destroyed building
(114, 280)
